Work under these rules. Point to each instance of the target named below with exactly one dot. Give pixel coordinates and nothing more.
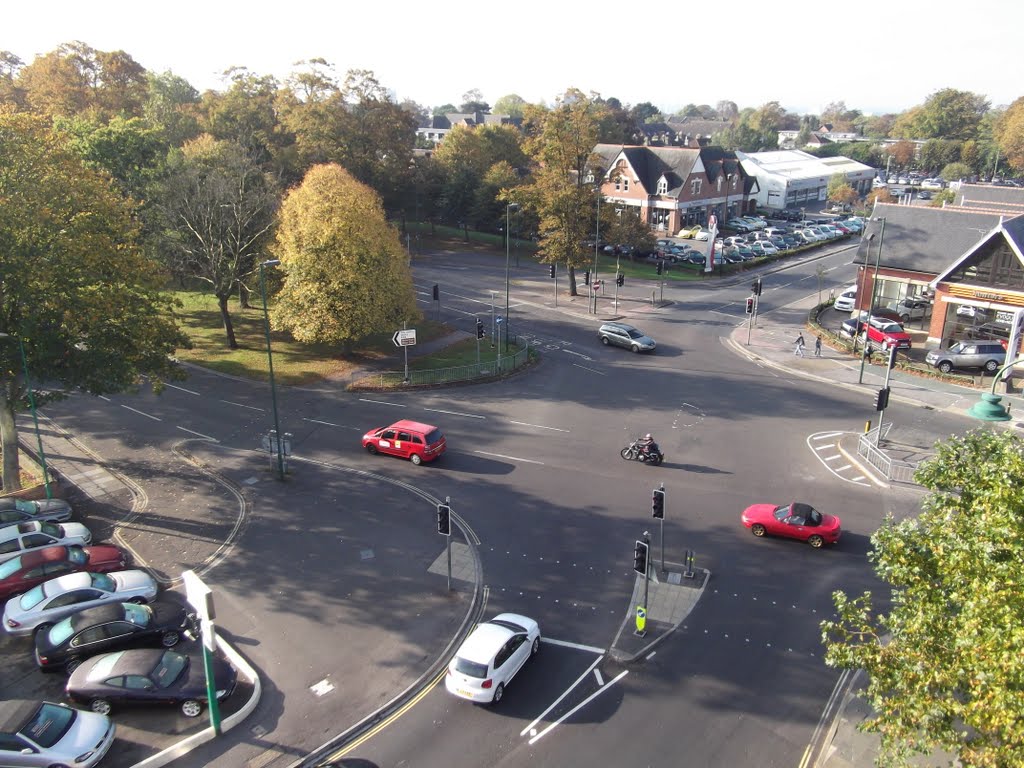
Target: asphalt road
(533, 469)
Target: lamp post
(270, 367)
(874, 288)
(32, 408)
(989, 408)
(508, 210)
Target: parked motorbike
(636, 451)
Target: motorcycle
(637, 452)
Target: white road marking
(531, 727)
(845, 466)
(103, 397)
(650, 656)
(154, 418)
(332, 424)
(510, 458)
(456, 413)
(181, 389)
(579, 706)
(199, 434)
(242, 405)
(538, 426)
(835, 470)
(574, 646)
(381, 402)
(826, 435)
(600, 373)
(831, 458)
(578, 354)
(597, 674)
(824, 446)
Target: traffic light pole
(647, 572)
(885, 386)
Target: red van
(410, 440)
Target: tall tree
(473, 101)
(216, 210)
(512, 104)
(246, 114)
(171, 107)
(1009, 135)
(726, 110)
(11, 93)
(128, 149)
(946, 114)
(75, 291)
(346, 275)
(840, 191)
(944, 660)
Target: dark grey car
(623, 335)
(990, 355)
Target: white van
(847, 299)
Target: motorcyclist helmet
(648, 436)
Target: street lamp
(989, 408)
(508, 210)
(270, 365)
(32, 408)
(874, 288)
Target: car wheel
(191, 708)
(758, 530)
(58, 765)
(536, 646)
(905, 318)
(635, 349)
(372, 449)
(945, 366)
(100, 706)
(816, 541)
(604, 340)
(991, 366)
(498, 693)
(416, 459)
(138, 600)
(72, 665)
(170, 639)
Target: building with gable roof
(672, 188)
(441, 125)
(795, 179)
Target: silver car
(40, 734)
(989, 355)
(23, 510)
(623, 335)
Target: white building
(791, 178)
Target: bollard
(867, 426)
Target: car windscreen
(104, 582)
(169, 669)
(10, 567)
(60, 631)
(48, 724)
(635, 334)
(470, 668)
(32, 598)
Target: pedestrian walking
(817, 347)
(798, 348)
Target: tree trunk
(229, 328)
(243, 296)
(9, 445)
(572, 281)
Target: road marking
(381, 402)
(845, 466)
(597, 674)
(538, 426)
(578, 707)
(199, 434)
(332, 424)
(154, 418)
(456, 413)
(837, 454)
(601, 373)
(833, 457)
(510, 458)
(242, 405)
(650, 656)
(574, 646)
(830, 711)
(578, 354)
(824, 446)
(826, 435)
(182, 389)
(556, 702)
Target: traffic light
(620, 279)
(658, 504)
(479, 328)
(640, 557)
(437, 293)
(892, 357)
(551, 271)
(756, 287)
(661, 267)
(444, 519)
(750, 305)
(882, 399)
(586, 277)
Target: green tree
(74, 288)
(623, 226)
(840, 191)
(946, 114)
(1009, 135)
(942, 197)
(944, 660)
(128, 149)
(246, 114)
(11, 93)
(346, 275)
(473, 101)
(511, 105)
(956, 172)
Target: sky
(877, 56)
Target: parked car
(969, 310)
(755, 221)
(988, 355)
(851, 327)
(27, 537)
(52, 600)
(924, 194)
(491, 656)
(25, 510)
(743, 251)
(994, 331)
(738, 225)
(734, 240)
(688, 232)
(810, 236)
(412, 440)
(881, 313)
(846, 301)
(794, 521)
(623, 335)
(763, 248)
(886, 334)
(701, 234)
(111, 627)
(145, 676)
(22, 573)
(47, 735)
(911, 309)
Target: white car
(912, 309)
(44, 734)
(763, 248)
(491, 656)
(811, 236)
(25, 537)
(702, 234)
(846, 301)
(51, 601)
(969, 310)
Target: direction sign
(405, 338)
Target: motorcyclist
(648, 446)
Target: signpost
(405, 338)
(200, 597)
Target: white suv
(847, 299)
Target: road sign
(404, 338)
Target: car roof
(14, 713)
(412, 426)
(97, 615)
(620, 326)
(45, 555)
(69, 581)
(484, 642)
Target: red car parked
(886, 334)
(22, 573)
(795, 521)
(410, 440)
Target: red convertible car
(795, 521)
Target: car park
(112, 627)
(27, 537)
(26, 510)
(52, 600)
(491, 656)
(413, 440)
(149, 676)
(987, 355)
(22, 573)
(50, 735)
(624, 335)
(795, 521)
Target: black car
(109, 628)
(148, 676)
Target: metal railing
(893, 470)
(434, 376)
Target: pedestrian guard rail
(893, 470)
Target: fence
(891, 469)
(433, 376)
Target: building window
(625, 185)
(618, 184)
(719, 188)
(662, 186)
(695, 187)
(734, 181)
